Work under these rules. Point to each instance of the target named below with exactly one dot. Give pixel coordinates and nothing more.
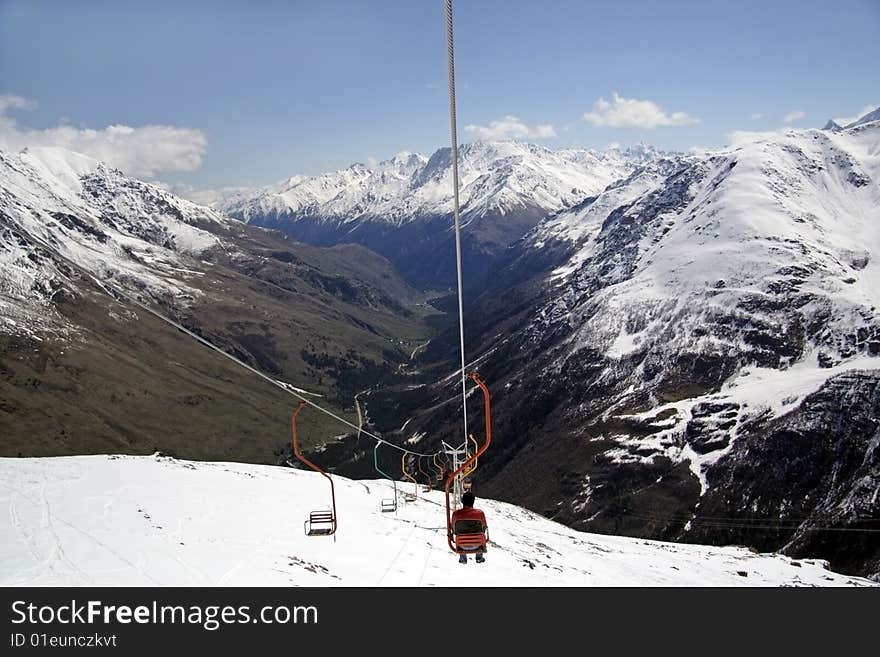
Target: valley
(680, 346)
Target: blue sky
(219, 93)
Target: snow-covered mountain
(495, 178)
(701, 341)
(787, 222)
(133, 234)
(870, 117)
(401, 208)
(131, 521)
(84, 368)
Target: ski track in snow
(126, 520)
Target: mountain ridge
(403, 208)
(374, 192)
(84, 369)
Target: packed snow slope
(131, 521)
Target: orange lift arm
(327, 520)
(487, 407)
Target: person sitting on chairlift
(468, 520)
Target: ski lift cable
(278, 384)
(450, 55)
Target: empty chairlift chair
(387, 505)
(409, 497)
(320, 523)
(439, 468)
(427, 487)
(323, 521)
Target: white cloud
(142, 151)
(631, 113)
(510, 127)
(794, 115)
(844, 121)
(10, 101)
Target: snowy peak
(398, 171)
(59, 165)
(834, 126)
(641, 154)
(867, 118)
(496, 177)
(56, 205)
(405, 163)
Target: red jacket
(468, 513)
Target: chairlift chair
(409, 497)
(388, 504)
(426, 487)
(321, 522)
(439, 467)
(470, 536)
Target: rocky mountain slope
(691, 354)
(402, 208)
(82, 369)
